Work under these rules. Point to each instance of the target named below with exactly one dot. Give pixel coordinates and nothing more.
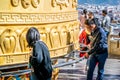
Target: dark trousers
(101, 59)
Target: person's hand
(86, 55)
(89, 46)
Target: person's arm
(104, 22)
(99, 43)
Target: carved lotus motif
(8, 41)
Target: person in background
(83, 36)
(106, 22)
(110, 14)
(98, 50)
(82, 19)
(40, 57)
(91, 16)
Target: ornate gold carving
(61, 3)
(74, 3)
(29, 18)
(8, 41)
(23, 42)
(14, 58)
(45, 36)
(55, 37)
(63, 35)
(15, 3)
(26, 58)
(35, 3)
(25, 3)
(9, 59)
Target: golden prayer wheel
(56, 21)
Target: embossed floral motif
(8, 41)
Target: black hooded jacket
(41, 62)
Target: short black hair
(95, 21)
(85, 11)
(89, 22)
(104, 11)
(32, 36)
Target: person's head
(104, 12)
(91, 15)
(85, 11)
(32, 36)
(119, 34)
(90, 24)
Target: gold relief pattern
(76, 34)
(26, 58)
(8, 41)
(74, 3)
(64, 38)
(14, 58)
(35, 3)
(76, 31)
(55, 37)
(25, 3)
(61, 3)
(23, 42)
(9, 59)
(63, 35)
(45, 36)
(17, 18)
(15, 3)
(71, 30)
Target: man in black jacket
(98, 49)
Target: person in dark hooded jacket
(40, 58)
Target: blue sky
(111, 2)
